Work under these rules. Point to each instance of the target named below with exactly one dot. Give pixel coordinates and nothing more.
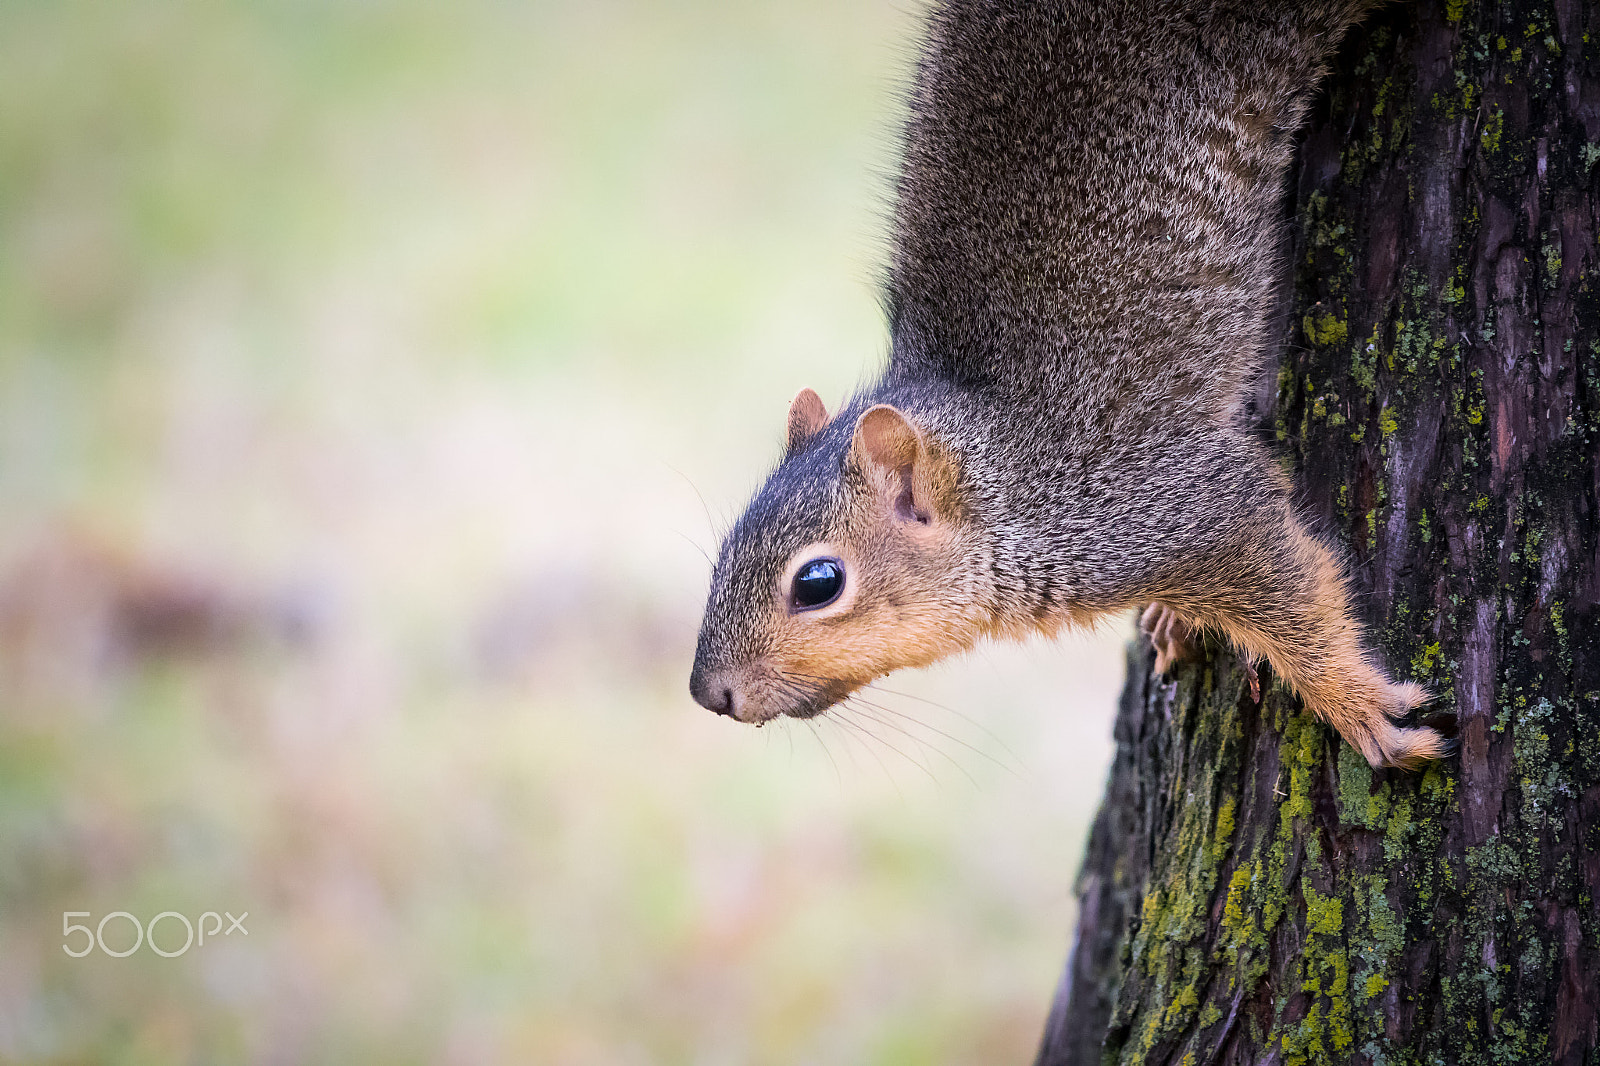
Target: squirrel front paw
(1385, 742)
(1175, 641)
(1170, 636)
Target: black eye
(818, 583)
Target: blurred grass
(363, 368)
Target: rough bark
(1253, 892)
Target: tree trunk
(1253, 892)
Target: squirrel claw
(1170, 636)
(1173, 641)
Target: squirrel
(1080, 294)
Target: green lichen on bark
(1439, 395)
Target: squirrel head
(856, 557)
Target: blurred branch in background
(73, 609)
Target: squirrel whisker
(921, 743)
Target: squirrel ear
(807, 416)
(893, 453)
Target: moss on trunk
(1253, 891)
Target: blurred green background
(363, 369)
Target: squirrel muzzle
(757, 692)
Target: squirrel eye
(818, 583)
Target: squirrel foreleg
(1284, 599)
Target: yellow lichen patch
(1493, 127)
(1324, 329)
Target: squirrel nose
(714, 693)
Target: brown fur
(1290, 606)
(1078, 299)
